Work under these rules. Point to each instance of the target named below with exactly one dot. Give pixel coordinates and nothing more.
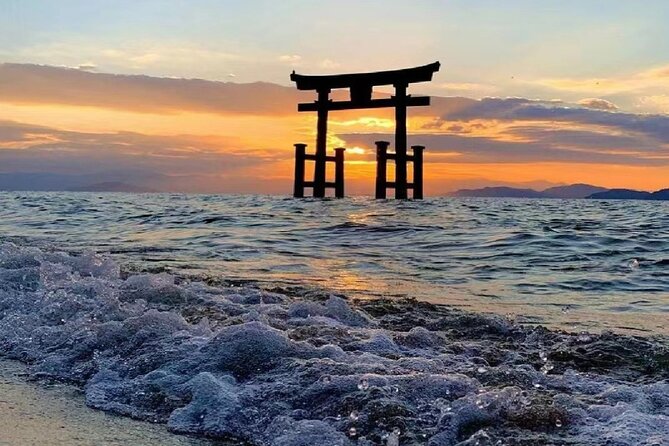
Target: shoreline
(37, 413)
(290, 369)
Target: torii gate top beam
(361, 85)
(353, 80)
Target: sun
(356, 150)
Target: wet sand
(33, 413)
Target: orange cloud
(655, 79)
(195, 135)
(37, 84)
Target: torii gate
(361, 85)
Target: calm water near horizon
(573, 264)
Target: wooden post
(381, 161)
(418, 172)
(300, 151)
(321, 143)
(339, 172)
(400, 141)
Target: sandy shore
(40, 414)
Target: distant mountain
(579, 190)
(662, 194)
(112, 186)
(571, 191)
(498, 192)
(138, 180)
(630, 194)
(621, 194)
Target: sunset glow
(73, 101)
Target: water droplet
(394, 437)
(363, 384)
(525, 398)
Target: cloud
(88, 66)
(329, 64)
(456, 129)
(521, 109)
(292, 59)
(124, 55)
(32, 148)
(658, 103)
(39, 84)
(598, 104)
(556, 146)
(519, 130)
(467, 88)
(654, 78)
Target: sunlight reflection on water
(606, 261)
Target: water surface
(574, 264)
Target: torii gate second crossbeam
(361, 86)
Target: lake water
(572, 264)
(220, 316)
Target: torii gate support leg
(300, 152)
(418, 172)
(381, 164)
(321, 143)
(400, 141)
(339, 172)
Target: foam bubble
(271, 369)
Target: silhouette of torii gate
(361, 86)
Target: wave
(539, 251)
(292, 367)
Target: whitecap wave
(270, 368)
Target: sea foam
(304, 368)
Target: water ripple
(533, 257)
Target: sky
(195, 96)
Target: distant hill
(502, 191)
(630, 194)
(621, 194)
(571, 191)
(112, 186)
(662, 194)
(138, 180)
